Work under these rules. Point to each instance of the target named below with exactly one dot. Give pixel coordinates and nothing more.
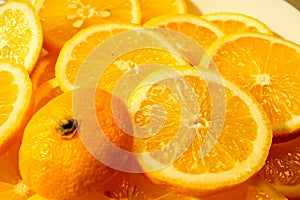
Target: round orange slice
(196, 133)
(62, 19)
(235, 22)
(15, 103)
(76, 51)
(21, 33)
(199, 29)
(268, 67)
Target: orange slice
(199, 29)
(15, 103)
(152, 8)
(282, 168)
(47, 91)
(77, 50)
(235, 22)
(266, 66)
(62, 19)
(44, 70)
(184, 140)
(21, 33)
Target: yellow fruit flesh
(15, 103)
(7, 101)
(198, 29)
(83, 49)
(10, 48)
(232, 26)
(77, 15)
(132, 60)
(236, 147)
(194, 32)
(21, 36)
(268, 68)
(154, 8)
(77, 50)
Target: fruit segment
(189, 152)
(21, 34)
(267, 66)
(62, 19)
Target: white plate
(280, 16)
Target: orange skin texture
(62, 168)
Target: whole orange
(55, 163)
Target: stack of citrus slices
(225, 126)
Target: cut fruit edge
(51, 42)
(155, 39)
(282, 130)
(248, 20)
(184, 18)
(36, 28)
(209, 183)
(22, 106)
(66, 51)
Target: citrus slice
(266, 66)
(61, 19)
(11, 185)
(235, 22)
(15, 103)
(199, 29)
(44, 70)
(192, 143)
(47, 91)
(282, 168)
(21, 33)
(77, 49)
(152, 8)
